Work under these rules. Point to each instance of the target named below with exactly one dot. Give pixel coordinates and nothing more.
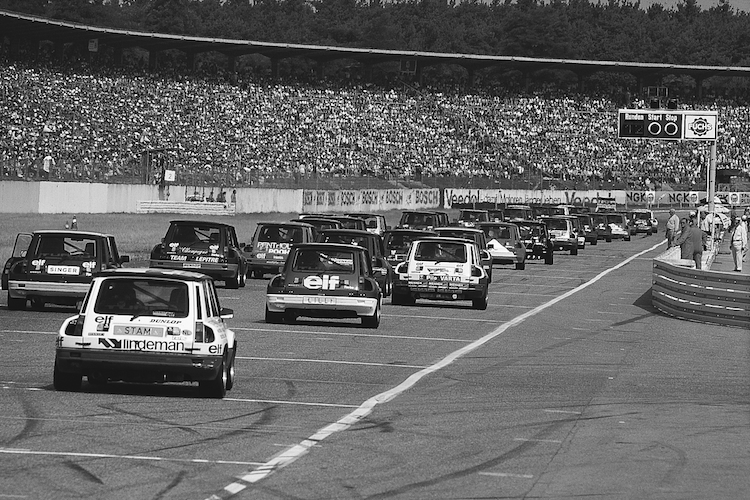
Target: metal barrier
(704, 295)
(184, 207)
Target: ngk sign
(667, 124)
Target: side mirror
(124, 259)
(227, 313)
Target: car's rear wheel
(595, 241)
(16, 304)
(97, 379)
(216, 388)
(242, 279)
(274, 317)
(479, 303)
(66, 381)
(234, 281)
(257, 274)
(608, 239)
(372, 321)
(37, 304)
(549, 258)
(574, 249)
(401, 299)
(231, 375)
(520, 266)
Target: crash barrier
(185, 207)
(680, 290)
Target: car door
(14, 264)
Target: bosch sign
(667, 124)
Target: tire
(234, 282)
(274, 317)
(595, 241)
(37, 304)
(479, 303)
(574, 250)
(257, 274)
(627, 239)
(401, 299)
(96, 379)
(608, 239)
(16, 304)
(374, 320)
(242, 279)
(216, 388)
(549, 259)
(231, 375)
(68, 382)
(520, 266)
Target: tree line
(573, 29)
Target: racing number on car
(321, 283)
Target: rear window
(66, 248)
(418, 219)
(194, 236)
(143, 296)
(557, 224)
(308, 259)
(441, 251)
(398, 241)
(346, 239)
(530, 230)
(495, 232)
(617, 219)
(642, 216)
(280, 234)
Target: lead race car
(441, 268)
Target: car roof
(528, 222)
(442, 239)
(457, 228)
(352, 232)
(201, 222)
(334, 246)
(147, 272)
(410, 231)
(496, 224)
(285, 223)
(71, 232)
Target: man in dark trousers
(691, 241)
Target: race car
(441, 268)
(325, 280)
(504, 243)
(148, 326)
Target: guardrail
(184, 207)
(718, 297)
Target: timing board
(671, 124)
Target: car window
(167, 298)
(198, 303)
(557, 224)
(66, 248)
(212, 300)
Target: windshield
(66, 248)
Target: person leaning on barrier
(673, 225)
(691, 242)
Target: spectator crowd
(98, 125)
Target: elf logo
(321, 283)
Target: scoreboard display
(667, 124)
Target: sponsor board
(369, 199)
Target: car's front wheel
(66, 381)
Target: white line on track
(13, 451)
(298, 403)
(296, 451)
(331, 361)
(506, 474)
(28, 331)
(345, 334)
(525, 294)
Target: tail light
(203, 333)
(75, 327)
(476, 271)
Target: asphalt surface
(570, 385)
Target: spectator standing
(47, 165)
(738, 241)
(673, 225)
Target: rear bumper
(217, 271)
(322, 305)
(138, 366)
(428, 290)
(19, 289)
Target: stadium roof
(14, 25)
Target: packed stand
(84, 125)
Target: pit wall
(72, 197)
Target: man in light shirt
(673, 224)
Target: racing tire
(231, 374)
(520, 266)
(479, 303)
(372, 321)
(627, 238)
(234, 281)
(216, 388)
(549, 259)
(401, 299)
(96, 379)
(257, 274)
(37, 304)
(243, 279)
(68, 382)
(290, 317)
(16, 304)
(274, 317)
(608, 239)
(595, 241)
(574, 250)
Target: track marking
(507, 474)
(296, 451)
(556, 441)
(331, 361)
(344, 334)
(14, 451)
(298, 403)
